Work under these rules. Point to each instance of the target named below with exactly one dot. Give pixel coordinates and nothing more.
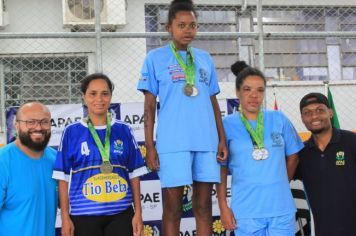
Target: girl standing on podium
(190, 138)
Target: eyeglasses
(31, 124)
(192, 26)
(317, 111)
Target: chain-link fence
(47, 47)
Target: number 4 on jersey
(85, 149)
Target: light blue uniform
(184, 123)
(28, 195)
(260, 189)
(186, 130)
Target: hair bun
(238, 66)
(181, 1)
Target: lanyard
(257, 135)
(104, 150)
(188, 68)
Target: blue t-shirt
(184, 123)
(28, 194)
(78, 162)
(261, 188)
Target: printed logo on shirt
(105, 188)
(176, 72)
(118, 147)
(340, 158)
(144, 76)
(277, 140)
(203, 76)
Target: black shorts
(111, 225)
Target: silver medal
(264, 153)
(260, 154)
(195, 91)
(256, 154)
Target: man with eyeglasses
(28, 195)
(327, 168)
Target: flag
(334, 121)
(275, 106)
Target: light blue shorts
(182, 168)
(271, 226)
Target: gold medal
(188, 90)
(106, 167)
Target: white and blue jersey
(261, 188)
(184, 123)
(78, 160)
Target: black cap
(311, 98)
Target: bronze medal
(106, 167)
(188, 90)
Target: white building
(42, 56)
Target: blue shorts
(182, 168)
(270, 226)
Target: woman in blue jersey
(263, 147)
(190, 131)
(98, 167)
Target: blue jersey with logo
(28, 194)
(261, 188)
(78, 162)
(184, 123)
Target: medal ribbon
(104, 150)
(257, 135)
(188, 68)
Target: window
(285, 58)
(309, 59)
(51, 80)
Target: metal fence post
(2, 100)
(261, 59)
(98, 47)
